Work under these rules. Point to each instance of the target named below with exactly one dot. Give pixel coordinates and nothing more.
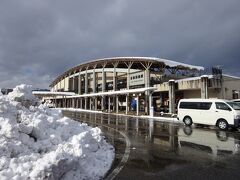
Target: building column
(204, 87)
(114, 103)
(137, 103)
(114, 76)
(86, 81)
(171, 94)
(85, 103)
(74, 81)
(126, 104)
(103, 80)
(64, 102)
(79, 83)
(103, 103)
(77, 103)
(151, 110)
(129, 65)
(81, 103)
(147, 84)
(95, 102)
(94, 81)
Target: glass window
(205, 105)
(222, 106)
(234, 105)
(196, 105)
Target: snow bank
(38, 143)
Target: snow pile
(38, 143)
(23, 94)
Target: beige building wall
(230, 84)
(192, 93)
(66, 83)
(215, 93)
(62, 84)
(193, 84)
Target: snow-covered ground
(39, 143)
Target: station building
(137, 85)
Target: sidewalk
(164, 117)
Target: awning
(111, 93)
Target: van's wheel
(222, 124)
(187, 121)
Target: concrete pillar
(151, 109)
(137, 102)
(77, 103)
(114, 79)
(95, 102)
(103, 103)
(117, 104)
(86, 82)
(103, 88)
(85, 103)
(128, 77)
(204, 87)
(171, 94)
(73, 86)
(114, 103)
(147, 84)
(103, 80)
(79, 83)
(94, 81)
(74, 103)
(126, 104)
(81, 103)
(150, 100)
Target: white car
(217, 112)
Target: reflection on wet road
(163, 150)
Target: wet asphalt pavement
(150, 149)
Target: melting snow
(39, 143)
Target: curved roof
(108, 62)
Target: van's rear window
(195, 105)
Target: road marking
(124, 160)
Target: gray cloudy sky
(39, 39)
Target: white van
(216, 112)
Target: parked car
(220, 113)
(236, 101)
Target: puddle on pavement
(161, 146)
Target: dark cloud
(40, 39)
